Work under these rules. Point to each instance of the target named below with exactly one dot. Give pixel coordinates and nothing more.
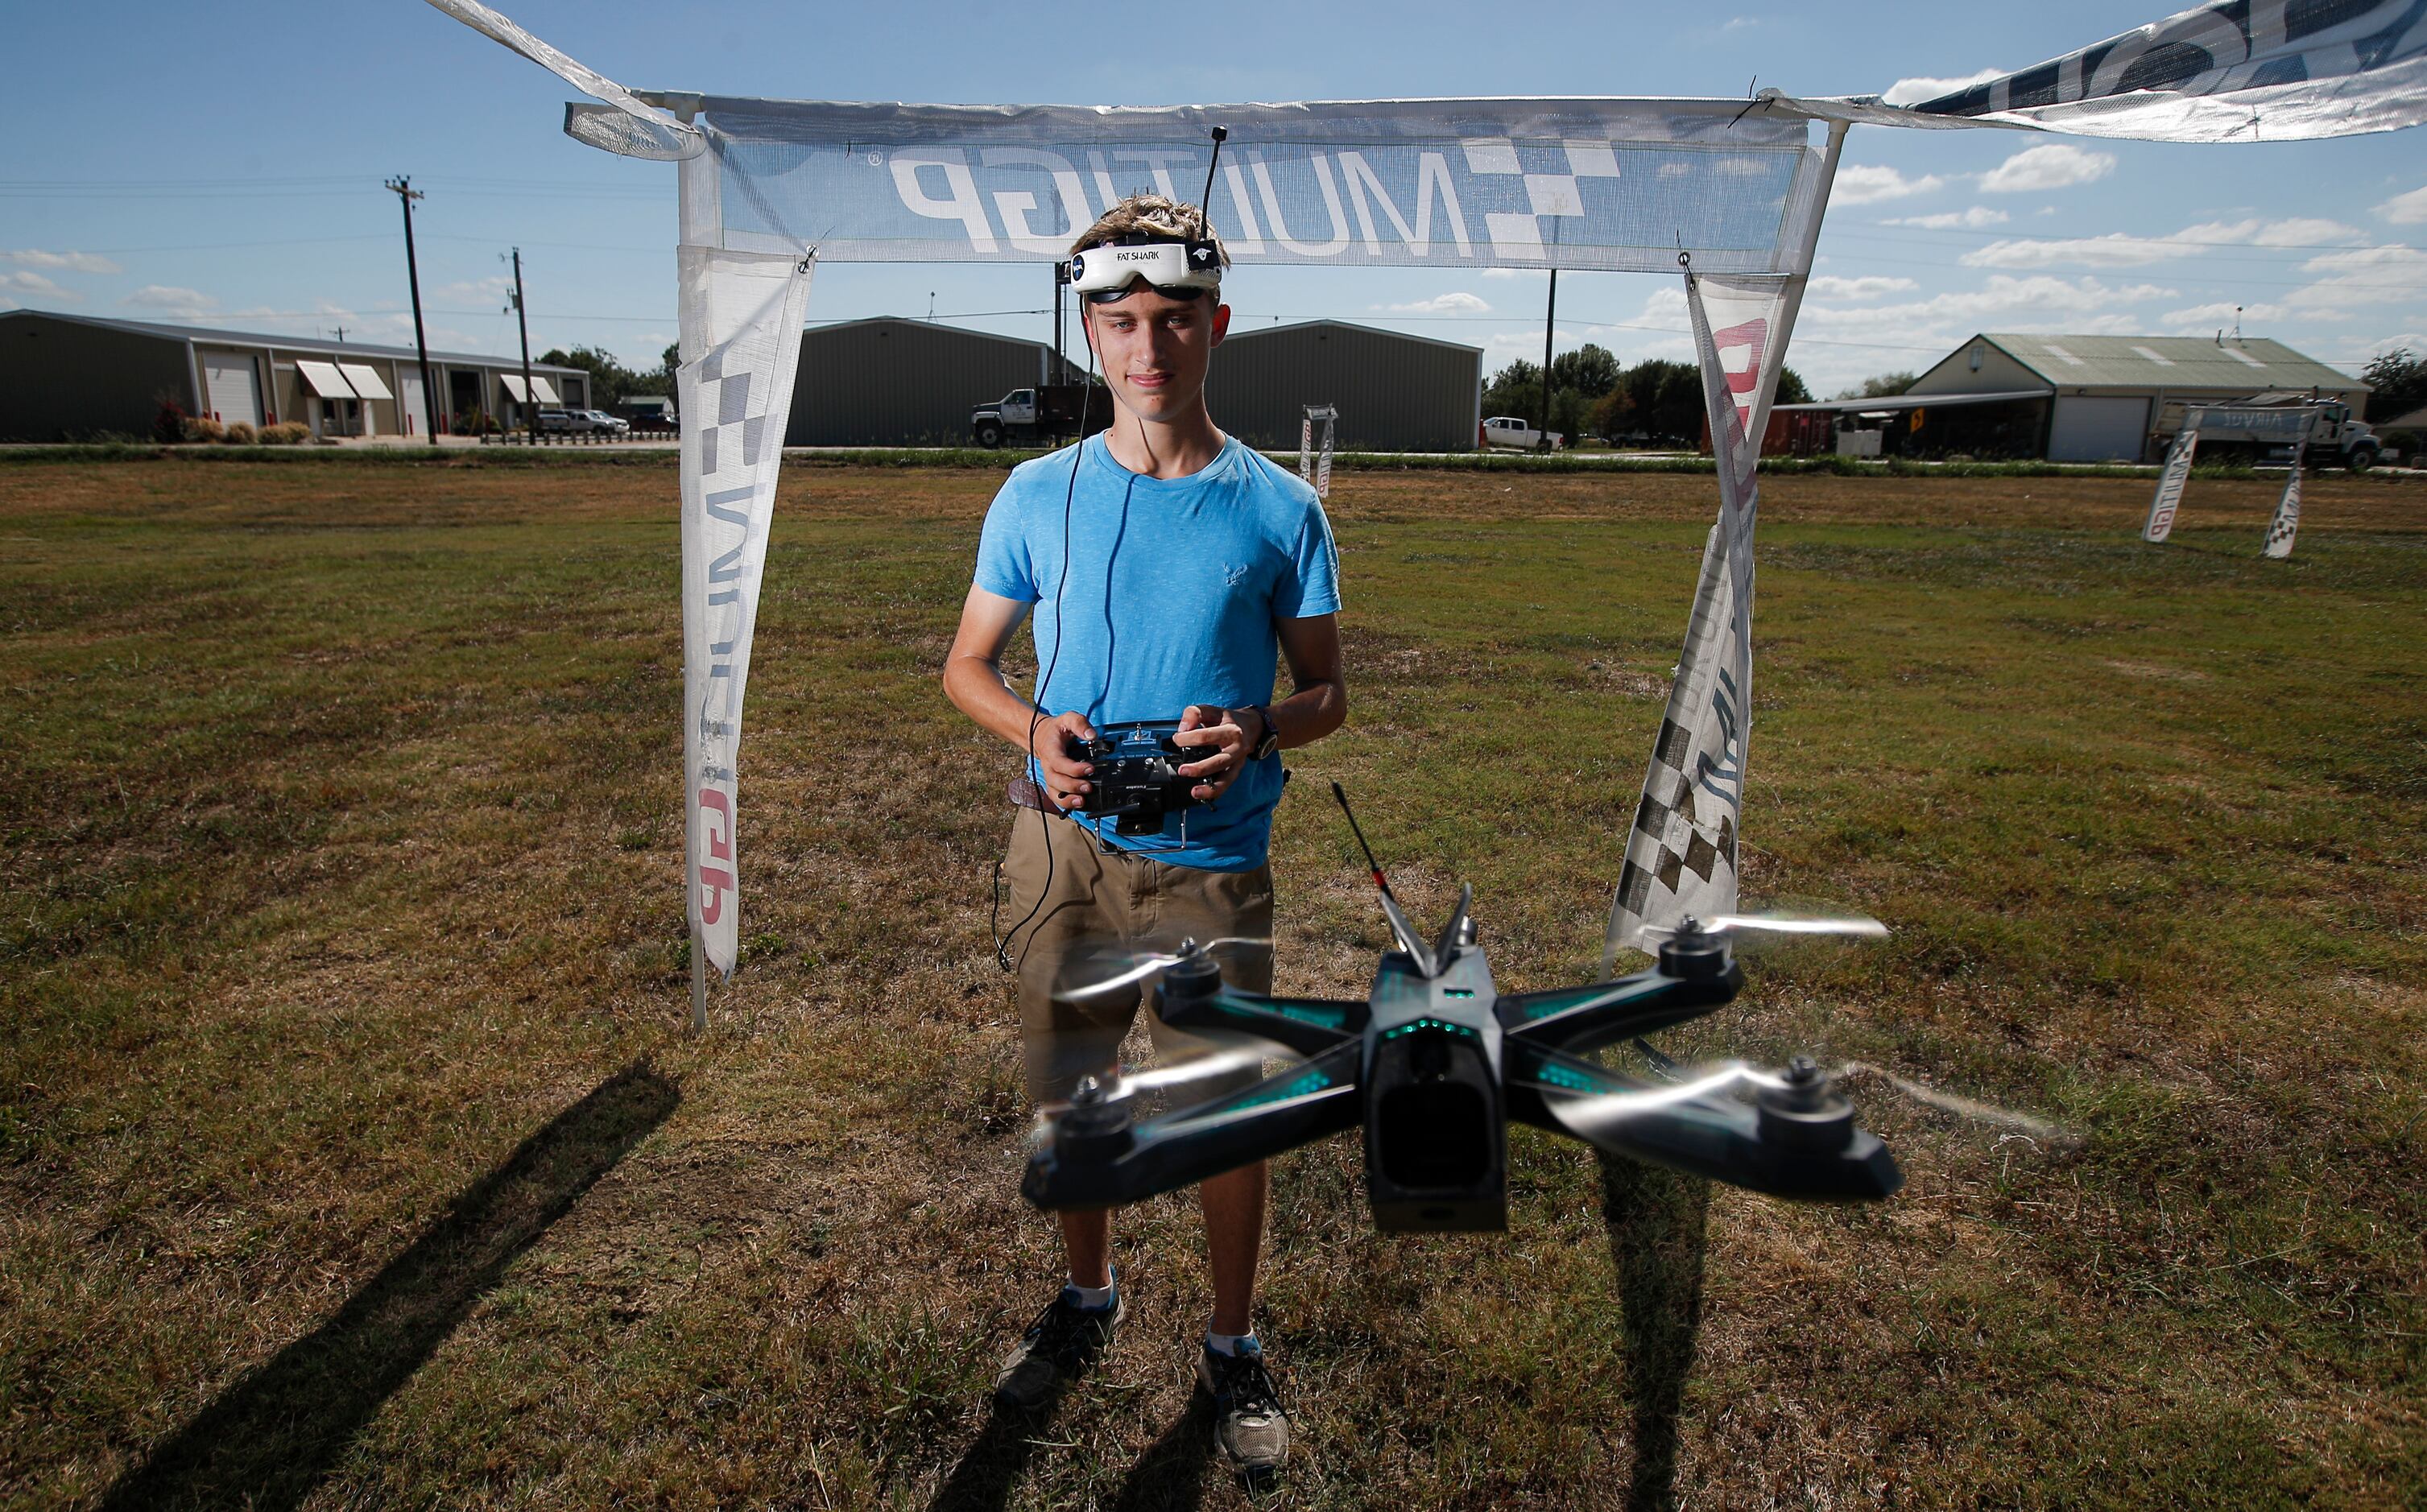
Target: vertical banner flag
(1681, 853)
(2287, 523)
(1316, 467)
(741, 315)
(2170, 482)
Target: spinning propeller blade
(1594, 1116)
(1227, 1055)
(1141, 964)
(1758, 930)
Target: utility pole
(402, 186)
(1550, 318)
(522, 324)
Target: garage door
(2088, 429)
(232, 388)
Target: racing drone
(1436, 1061)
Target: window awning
(513, 382)
(545, 390)
(364, 381)
(324, 380)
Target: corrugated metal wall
(1395, 393)
(61, 380)
(891, 383)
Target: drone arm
(1710, 1135)
(1579, 1019)
(1279, 1114)
(1313, 1027)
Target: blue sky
(224, 166)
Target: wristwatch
(1271, 741)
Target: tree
(1791, 389)
(1516, 389)
(1590, 371)
(2398, 383)
(1884, 386)
(667, 364)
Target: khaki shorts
(1094, 901)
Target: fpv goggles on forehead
(1175, 270)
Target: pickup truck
(1508, 430)
(1046, 413)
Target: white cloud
(1830, 286)
(2220, 316)
(492, 290)
(2120, 249)
(2053, 165)
(1972, 219)
(2406, 209)
(72, 261)
(1452, 304)
(1529, 274)
(35, 284)
(2361, 279)
(171, 297)
(1915, 91)
(2114, 249)
(1740, 24)
(1863, 183)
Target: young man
(1166, 564)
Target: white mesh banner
(741, 320)
(2286, 524)
(2170, 483)
(1575, 183)
(1681, 854)
(1313, 460)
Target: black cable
(1036, 705)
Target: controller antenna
(1400, 930)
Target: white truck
(1047, 411)
(2262, 429)
(1508, 430)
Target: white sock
(1094, 1298)
(1233, 1343)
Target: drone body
(1435, 1062)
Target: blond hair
(1155, 215)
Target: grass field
(353, 1151)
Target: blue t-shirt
(1173, 590)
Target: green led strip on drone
(1417, 1025)
(1296, 1087)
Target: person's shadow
(1658, 1223)
(272, 1437)
(1168, 1477)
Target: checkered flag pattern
(2287, 523)
(1681, 850)
(1554, 192)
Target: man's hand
(1066, 781)
(1226, 732)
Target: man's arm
(1317, 704)
(973, 680)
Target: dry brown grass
(342, 861)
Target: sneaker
(1057, 1350)
(1249, 1421)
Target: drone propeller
(1139, 964)
(1754, 930)
(1594, 1116)
(1227, 1055)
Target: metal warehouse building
(1395, 392)
(887, 382)
(70, 377)
(2098, 398)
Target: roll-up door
(232, 386)
(2098, 429)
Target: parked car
(582, 422)
(1508, 430)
